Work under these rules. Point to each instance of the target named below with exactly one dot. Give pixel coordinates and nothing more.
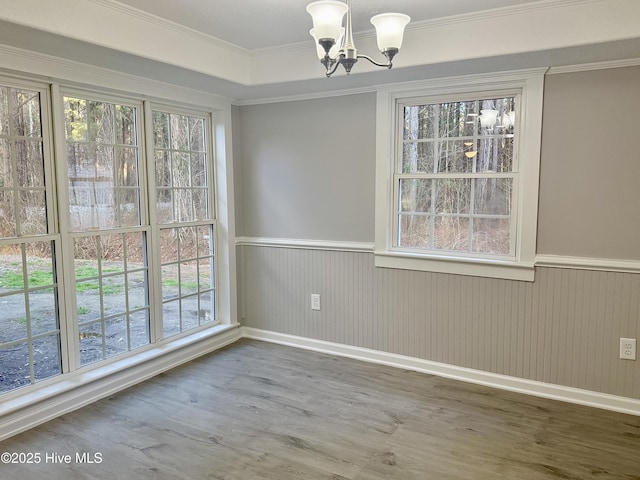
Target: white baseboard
(505, 382)
(77, 389)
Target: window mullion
(67, 287)
(153, 240)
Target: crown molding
(306, 96)
(497, 13)
(168, 24)
(49, 69)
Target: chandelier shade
(334, 43)
(327, 18)
(390, 29)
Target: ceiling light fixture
(328, 33)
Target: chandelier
(334, 43)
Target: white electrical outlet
(315, 301)
(628, 348)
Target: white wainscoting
(563, 329)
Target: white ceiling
(255, 24)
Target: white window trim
(521, 267)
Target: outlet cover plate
(628, 348)
(315, 301)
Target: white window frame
(150, 107)
(529, 85)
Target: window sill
(491, 268)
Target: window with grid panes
(455, 176)
(108, 227)
(30, 349)
(185, 216)
(457, 169)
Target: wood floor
(260, 411)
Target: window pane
(169, 245)
(29, 163)
(491, 235)
(91, 349)
(46, 357)
(205, 274)
(171, 318)
(206, 312)
(7, 214)
(453, 195)
(452, 156)
(27, 280)
(32, 212)
(198, 170)
(493, 196)
(127, 167)
(164, 205)
(98, 169)
(4, 111)
(415, 195)
(101, 122)
(160, 130)
(183, 205)
(179, 132)
(190, 317)
(205, 240)
(419, 157)
(14, 315)
(187, 237)
(452, 119)
(196, 127)
(139, 325)
(26, 113)
(451, 233)
(108, 293)
(163, 169)
(497, 116)
(43, 311)
(170, 282)
(75, 119)
(495, 155)
(125, 125)
(415, 231)
(14, 368)
(116, 336)
(188, 278)
(200, 204)
(6, 167)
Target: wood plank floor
(261, 411)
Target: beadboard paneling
(564, 328)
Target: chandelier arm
(332, 70)
(385, 65)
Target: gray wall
(308, 169)
(564, 328)
(590, 172)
